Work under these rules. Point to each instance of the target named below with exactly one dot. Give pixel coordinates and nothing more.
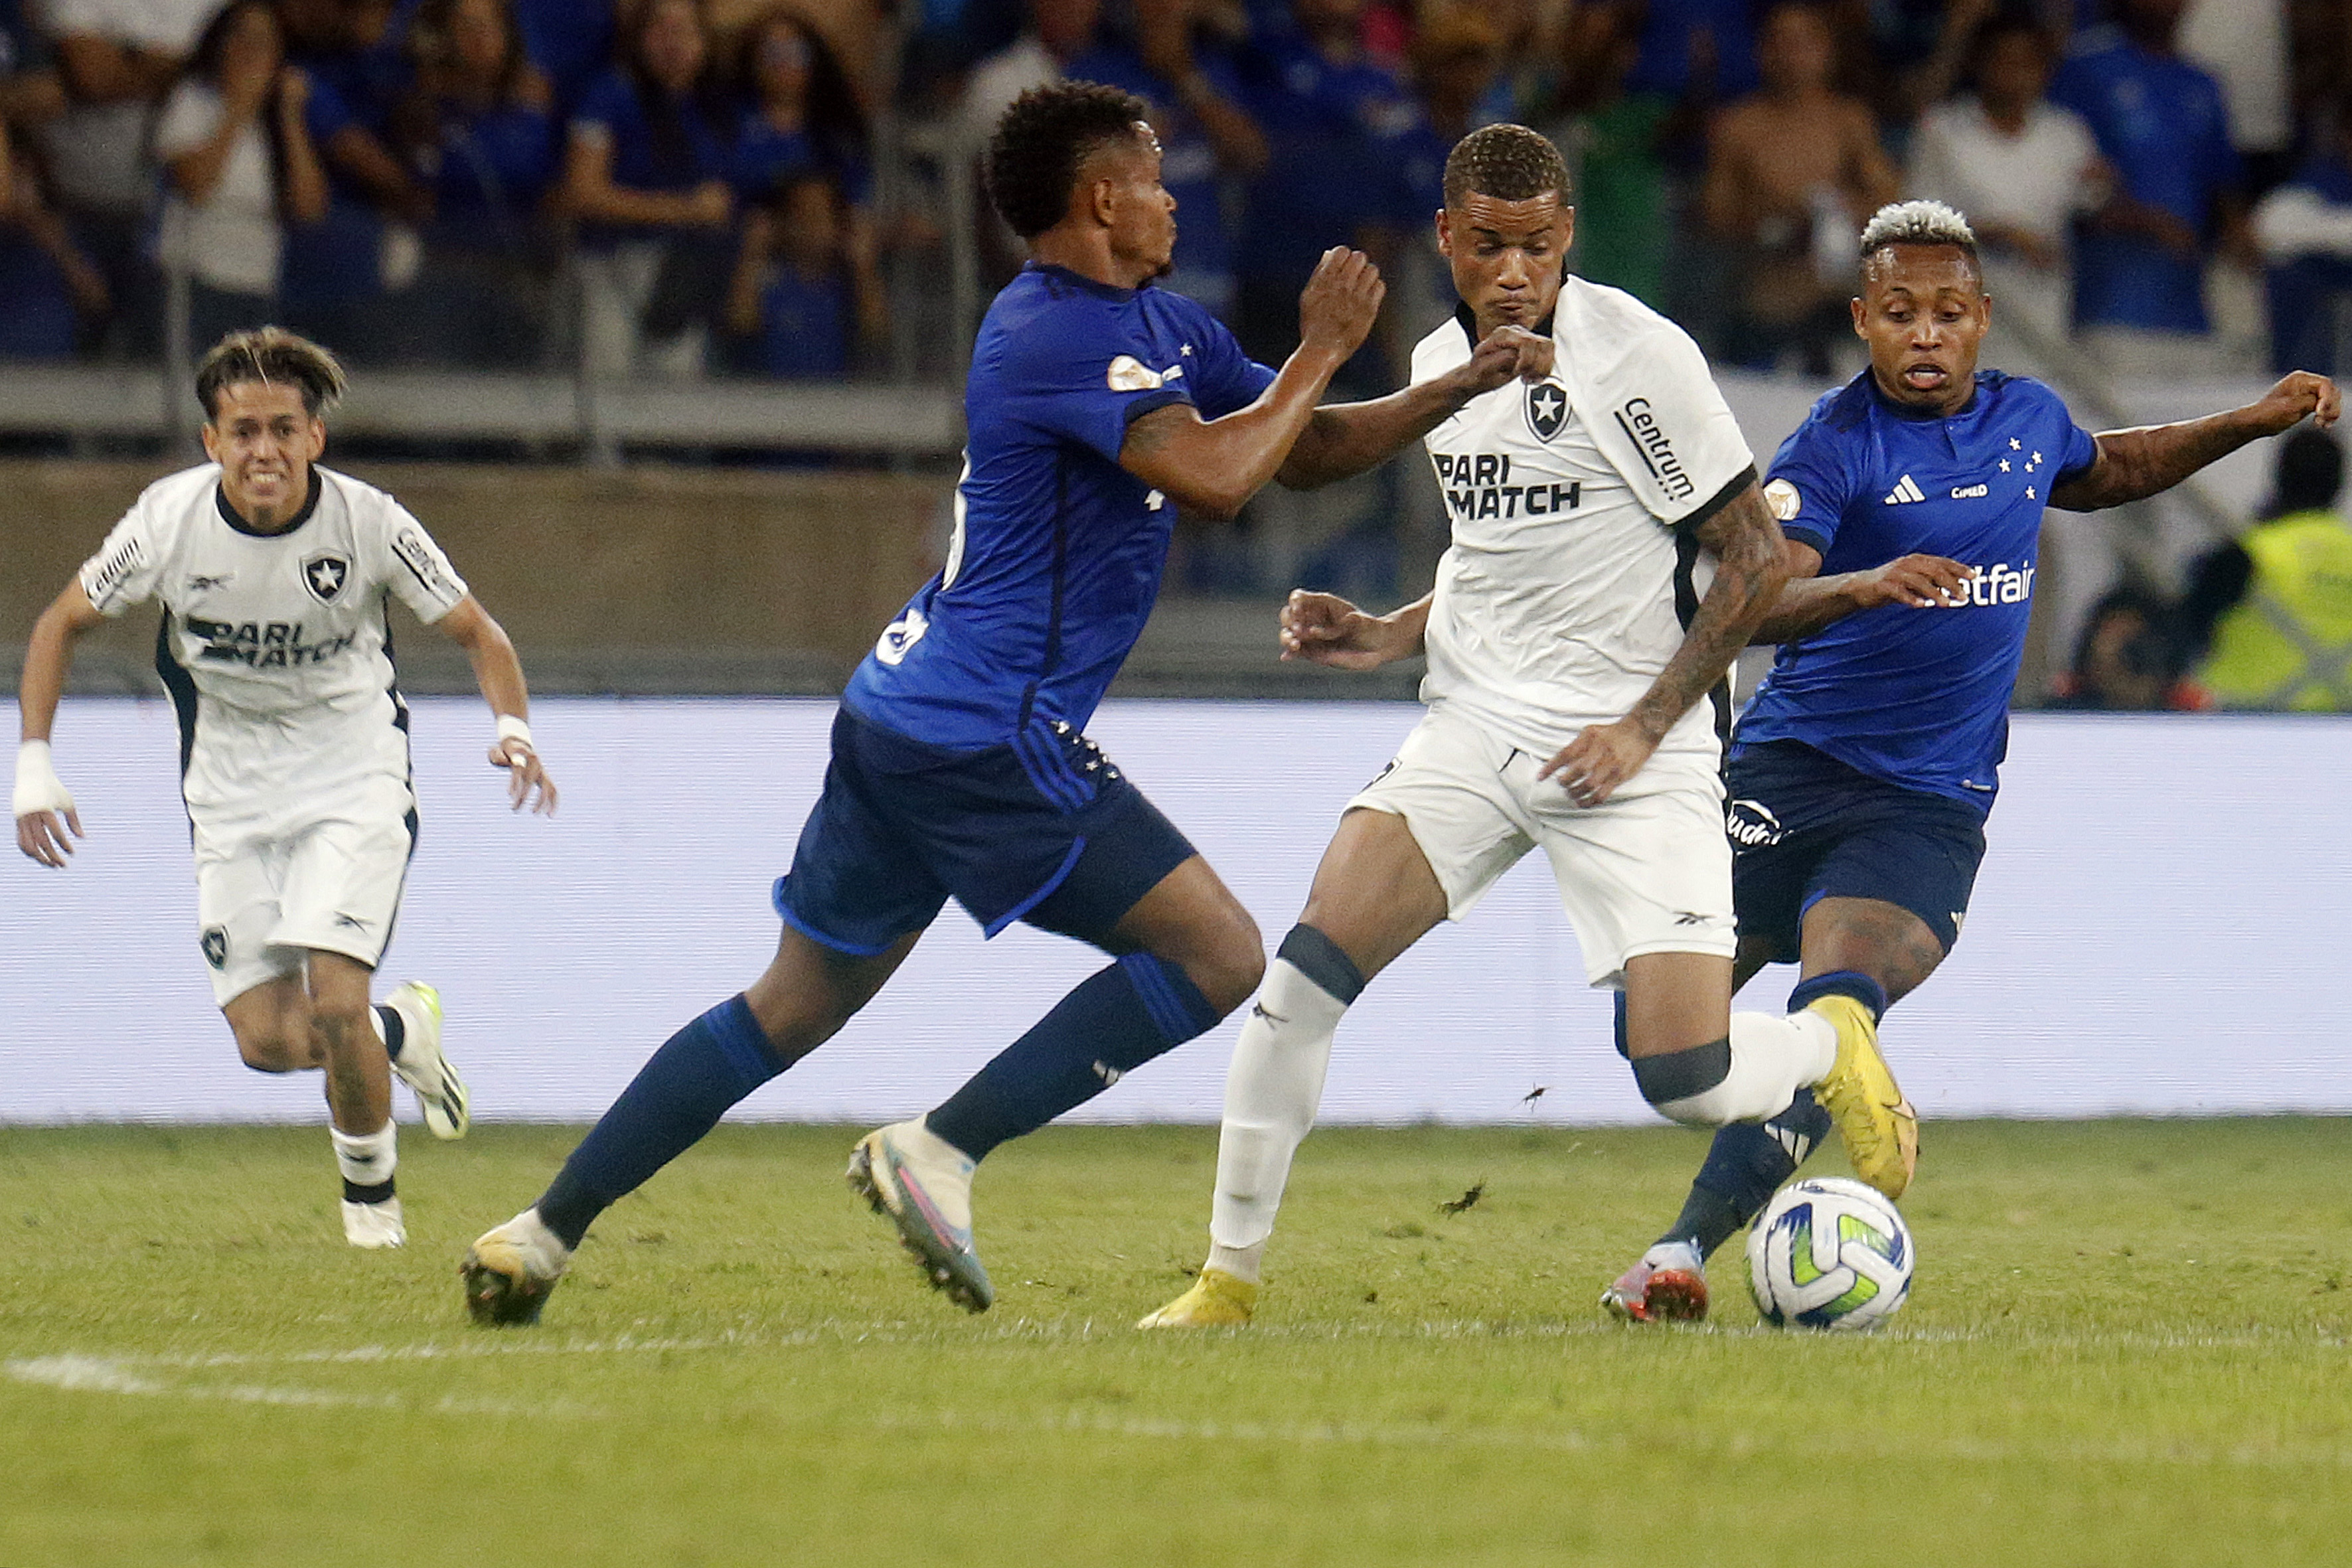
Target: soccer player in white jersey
(1570, 642)
(275, 578)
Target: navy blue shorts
(1044, 829)
(1804, 826)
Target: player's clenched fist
(1503, 354)
(1323, 628)
(1340, 302)
(2297, 394)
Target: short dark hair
(1508, 163)
(1919, 223)
(2308, 474)
(1043, 141)
(2008, 24)
(269, 355)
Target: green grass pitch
(2127, 1345)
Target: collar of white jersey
(310, 504)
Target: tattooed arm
(1751, 566)
(2132, 464)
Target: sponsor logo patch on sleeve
(1128, 373)
(425, 562)
(101, 582)
(1782, 498)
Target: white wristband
(513, 728)
(38, 788)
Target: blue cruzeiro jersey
(1057, 551)
(1918, 698)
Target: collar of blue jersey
(1110, 291)
(1469, 319)
(309, 505)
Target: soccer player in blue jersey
(1097, 406)
(1864, 769)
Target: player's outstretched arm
(1324, 628)
(1347, 438)
(2132, 464)
(46, 823)
(1212, 466)
(499, 674)
(1751, 568)
(1810, 603)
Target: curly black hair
(1508, 163)
(1041, 143)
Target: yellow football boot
(1216, 1301)
(1877, 1125)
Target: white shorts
(1647, 872)
(271, 889)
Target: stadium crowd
(680, 188)
(683, 188)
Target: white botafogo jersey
(275, 647)
(1574, 501)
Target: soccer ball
(1829, 1253)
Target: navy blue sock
(1851, 982)
(395, 1030)
(1118, 1019)
(676, 1098)
(1745, 1166)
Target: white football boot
(374, 1226)
(440, 1093)
(922, 1185)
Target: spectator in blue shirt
(644, 172)
(2139, 262)
(571, 41)
(1335, 124)
(478, 131)
(340, 272)
(2305, 229)
(802, 117)
(46, 284)
(1206, 138)
(791, 305)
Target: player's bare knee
(272, 1047)
(1229, 967)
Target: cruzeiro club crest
(1547, 410)
(216, 946)
(325, 576)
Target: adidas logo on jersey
(1905, 490)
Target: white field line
(167, 1376)
(103, 1374)
(1050, 1330)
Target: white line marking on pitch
(106, 1374)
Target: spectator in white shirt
(240, 164)
(2019, 165)
(116, 58)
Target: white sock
(1271, 1093)
(1773, 1054)
(366, 1161)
